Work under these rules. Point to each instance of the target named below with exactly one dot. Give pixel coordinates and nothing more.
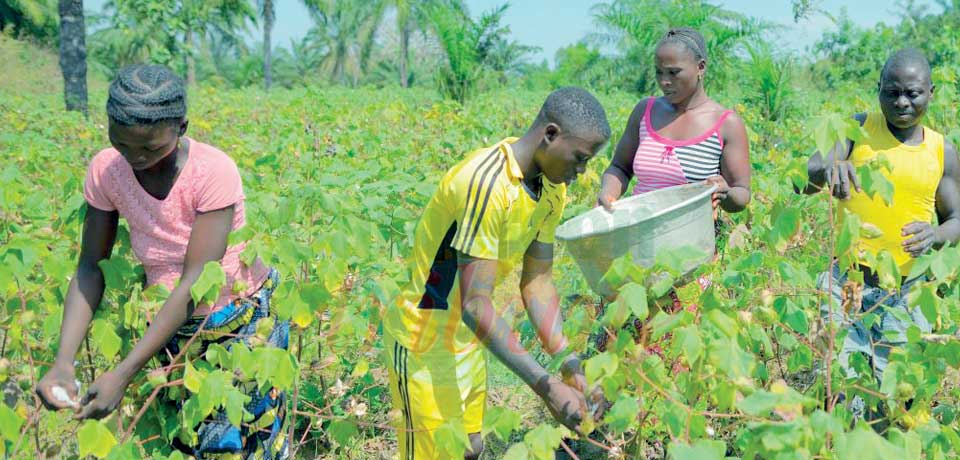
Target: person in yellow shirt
(924, 213)
(495, 209)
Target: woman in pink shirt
(682, 136)
(181, 198)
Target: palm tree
(405, 29)
(34, 18)
(268, 13)
(635, 26)
(165, 32)
(473, 48)
(412, 15)
(73, 55)
(205, 17)
(345, 30)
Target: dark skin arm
(834, 170)
(477, 278)
(208, 242)
(920, 237)
(733, 183)
(542, 303)
(617, 176)
(82, 300)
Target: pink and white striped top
(661, 162)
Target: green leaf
(191, 378)
(855, 131)
(910, 442)
(600, 366)
(726, 324)
(125, 451)
(517, 451)
(234, 401)
(277, 366)
(925, 296)
(544, 440)
(703, 449)
(887, 271)
(829, 130)
(796, 318)
(342, 431)
(849, 232)
(663, 323)
(781, 397)
(623, 414)
(385, 289)
(104, 338)
(874, 182)
(217, 355)
(240, 235)
(865, 444)
(677, 260)
(360, 368)
(315, 294)
(212, 390)
(689, 342)
(635, 296)
(206, 289)
(616, 314)
(302, 313)
(660, 284)
(10, 423)
(727, 356)
(786, 223)
(451, 439)
(95, 439)
(501, 421)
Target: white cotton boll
(61, 395)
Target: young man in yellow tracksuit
(493, 210)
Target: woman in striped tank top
(677, 139)
(683, 136)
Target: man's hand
(839, 178)
(58, 388)
(923, 238)
(566, 404)
(103, 396)
(572, 372)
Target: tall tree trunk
(73, 55)
(404, 54)
(339, 62)
(188, 58)
(268, 18)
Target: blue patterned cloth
(888, 330)
(264, 437)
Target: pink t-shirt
(160, 229)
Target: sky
(570, 20)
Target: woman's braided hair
(145, 94)
(689, 38)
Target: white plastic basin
(641, 225)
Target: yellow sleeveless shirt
(915, 173)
